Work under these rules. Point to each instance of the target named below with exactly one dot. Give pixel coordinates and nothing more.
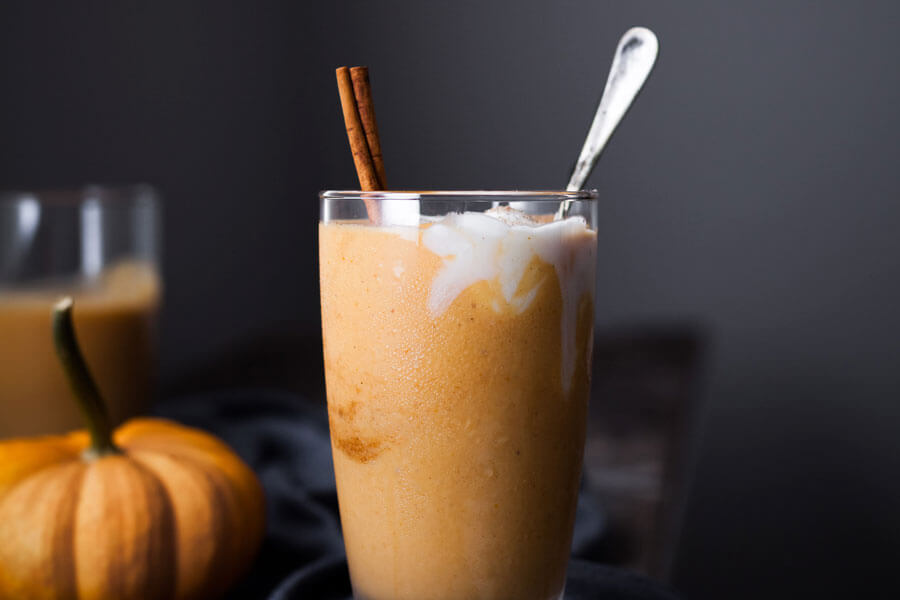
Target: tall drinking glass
(101, 246)
(457, 333)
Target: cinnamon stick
(359, 146)
(363, 93)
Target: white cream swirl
(483, 247)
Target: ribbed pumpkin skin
(177, 515)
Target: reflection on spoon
(632, 63)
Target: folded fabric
(284, 438)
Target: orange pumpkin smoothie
(457, 360)
(114, 322)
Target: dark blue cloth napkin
(284, 438)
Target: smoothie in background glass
(457, 340)
(100, 245)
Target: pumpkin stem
(87, 394)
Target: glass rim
(133, 194)
(444, 195)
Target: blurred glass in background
(101, 246)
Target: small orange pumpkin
(155, 511)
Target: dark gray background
(753, 191)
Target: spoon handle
(631, 66)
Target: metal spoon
(631, 66)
